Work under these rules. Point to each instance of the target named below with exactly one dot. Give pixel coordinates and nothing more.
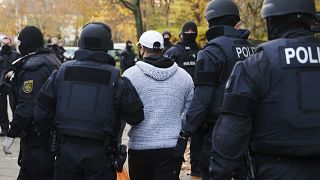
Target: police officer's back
(272, 100)
(87, 97)
(226, 45)
(30, 72)
(184, 53)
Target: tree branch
(127, 5)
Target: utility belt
(81, 140)
(57, 139)
(118, 155)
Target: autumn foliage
(64, 18)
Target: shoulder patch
(27, 86)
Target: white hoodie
(166, 94)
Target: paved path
(8, 163)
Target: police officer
(226, 45)
(167, 43)
(8, 55)
(30, 73)
(128, 57)
(272, 100)
(184, 53)
(86, 97)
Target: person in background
(167, 43)
(8, 56)
(185, 52)
(53, 46)
(127, 57)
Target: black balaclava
(166, 37)
(189, 38)
(279, 25)
(129, 45)
(30, 39)
(6, 49)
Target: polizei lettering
(242, 52)
(300, 56)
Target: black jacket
(126, 102)
(214, 65)
(30, 73)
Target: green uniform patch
(28, 86)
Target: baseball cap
(151, 39)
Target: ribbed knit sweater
(166, 94)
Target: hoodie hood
(158, 74)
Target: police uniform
(214, 65)
(7, 57)
(31, 72)
(185, 55)
(272, 101)
(87, 97)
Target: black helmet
(283, 7)
(219, 8)
(96, 36)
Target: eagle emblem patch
(27, 86)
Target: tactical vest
(287, 121)
(85, 100)
(188, 59)
(235, 50)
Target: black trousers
(83, 159)
(196, 150)
(155, 164)
(4, 120)
(206, 153)
(35, 160)
(274, 168)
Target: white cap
(150, 38)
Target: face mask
(129, 47)
(189, 37)
(6, 48)
(141, 54)
(23, 50)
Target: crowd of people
(250, 112)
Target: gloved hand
(7, 143)
(181, 146)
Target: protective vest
(85, 100)
(235, 49)
(188, 58)
(287, 121)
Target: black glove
(178, 152)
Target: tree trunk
(138, 19)
(134, 6)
